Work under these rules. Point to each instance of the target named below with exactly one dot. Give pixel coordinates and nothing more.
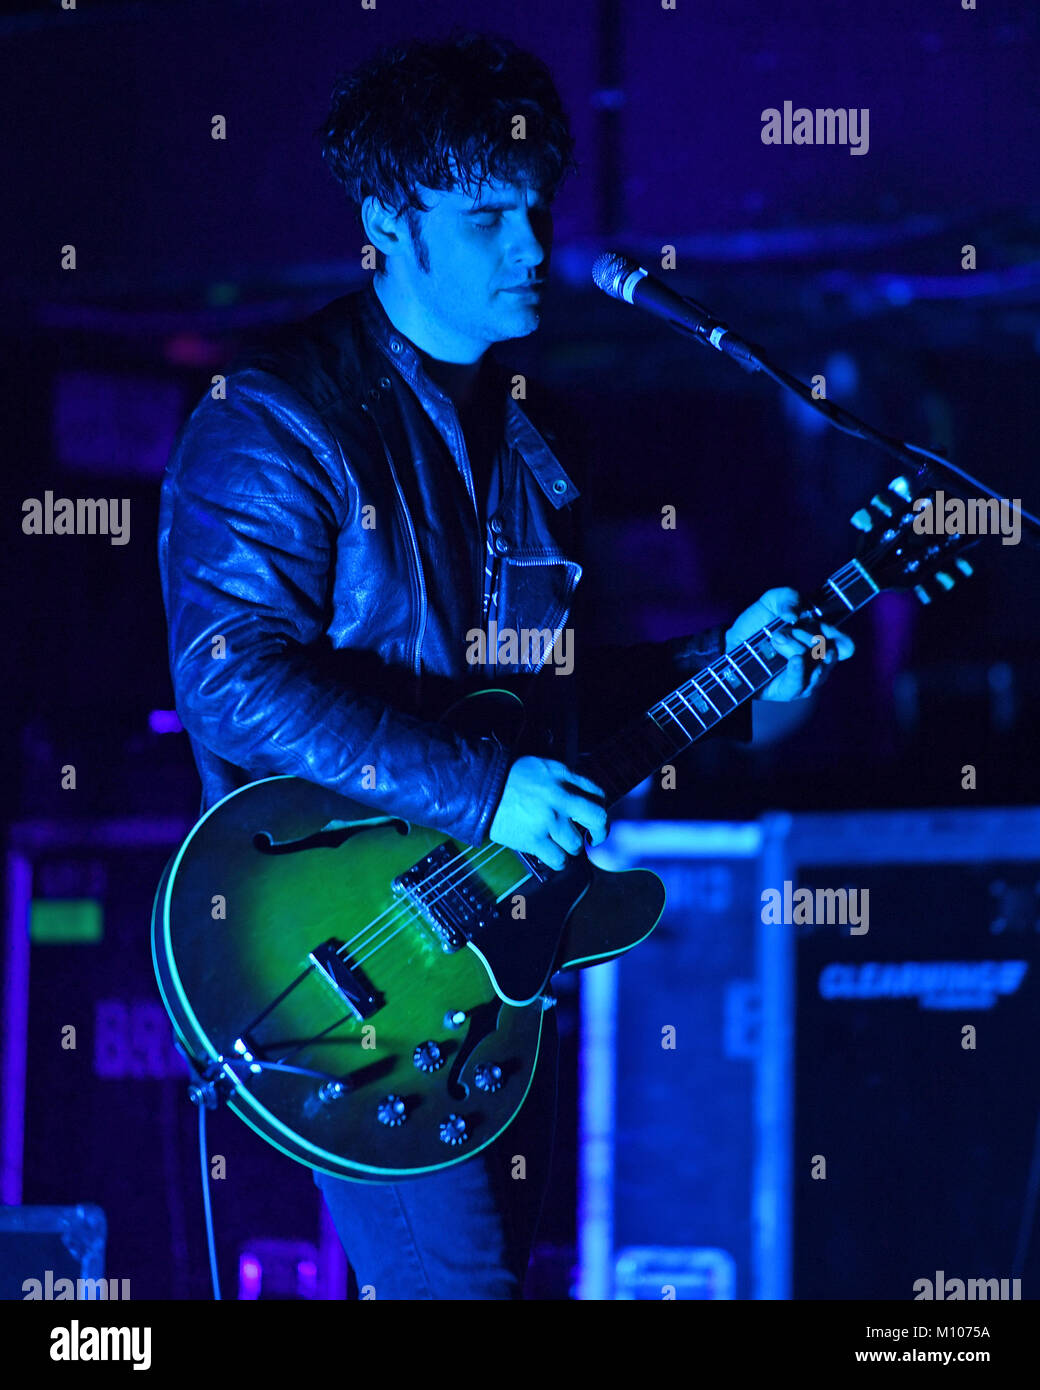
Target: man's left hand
(805, 670)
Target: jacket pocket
(535, 592)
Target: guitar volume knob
(391, 1111)
(427, 1057)
(453, 1131)
(488, 1076)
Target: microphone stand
(711, 332)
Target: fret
(873, 587)
(657, 744)
(755, 654)
(850, 606)
(663, 707)
(727, 670)
(853, 585)
(634, 753)
(710, 671)
(766, 652)
(740, 673)
(707, 697)
(678, 695)
(697, 708)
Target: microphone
(622, 278)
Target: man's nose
(530, 247)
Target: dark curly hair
(440, 114)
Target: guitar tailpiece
(213, 1087)
(204, 1093)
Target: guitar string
(450, 880)
(446, 877)
(475, 861)
(408, 914)
(439, 878)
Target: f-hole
(330, 836)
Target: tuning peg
(944, 579)
(862, 520)
(963, 566)
(901, 487)
(881, 505)
(922, 593)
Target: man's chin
(523, 321)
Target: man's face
(488, 256)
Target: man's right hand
(543, 807)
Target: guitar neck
(625, 759)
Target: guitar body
(287, 933)
(369, 994)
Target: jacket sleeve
(255, 498)
(617, 683)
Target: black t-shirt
(483, 427)
(482, 417)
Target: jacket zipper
(460, 444)
(416, 664)
(492, 581)
(576, 573)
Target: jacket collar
(394, 345)
(520, 433)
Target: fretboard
(668, 727)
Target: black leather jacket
(322, 554)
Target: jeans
(464, 1232)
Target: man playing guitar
(360, 495)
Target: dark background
(850, 265)
(841, 263)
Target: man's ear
(383, 227)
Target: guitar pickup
(346, 979)
(455, 904)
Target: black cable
(752, 358)
(202, 1103)
(206, 1094)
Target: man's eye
(491, 222)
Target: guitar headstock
(906, 544)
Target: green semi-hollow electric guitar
(368, 994)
